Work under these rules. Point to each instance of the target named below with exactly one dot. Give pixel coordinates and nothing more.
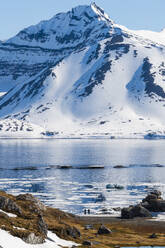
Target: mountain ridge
(84, 76)
(74, 21)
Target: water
(33, 166)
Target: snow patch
(53, 241)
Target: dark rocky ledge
(153, 202)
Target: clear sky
(134, 14)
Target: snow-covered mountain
(79, 74)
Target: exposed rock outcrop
(33, 239)
(154, 202)
(104, 230)
(135, 211)
(9, 205)
(87, 243)
(43, 227)
(73, 232)
(33, 220)
(35, 204)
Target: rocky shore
(153, 202)
(26, 218)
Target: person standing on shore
(85, 211)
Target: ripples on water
(74, 174)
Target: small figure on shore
(85, 211)
(89, 211)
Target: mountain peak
(84, 23)
(92, 10)
(99, 11)
(81, 75)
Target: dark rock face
(117, 38)
(104, 230)
(43, 227)
(8, 205)
(135, 211)
(135, 53)
(148, 77)
(67, 38)
(96, 78)
(15, 64)
(40, 36)
(157, 193)
(87, 243)
(73, 232)
(120, 48)
(32, 89)
(36, 204)
(94, 54)
(153, 202)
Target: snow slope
(81, 75)
(9, 241)
(157, 37)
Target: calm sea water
(40, 167)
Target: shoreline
(94, 219)
(24, 215)
(81, 138)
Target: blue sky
(134, 14)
